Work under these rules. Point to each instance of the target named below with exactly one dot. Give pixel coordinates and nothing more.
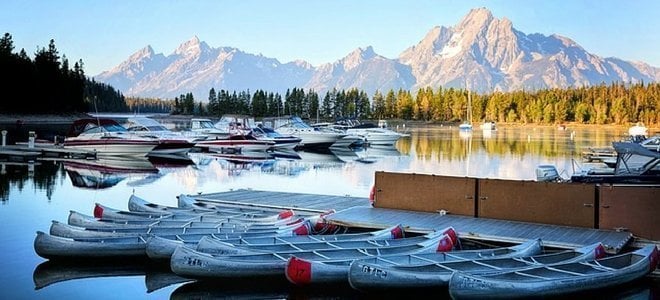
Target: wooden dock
(356, 212)
(25, 153)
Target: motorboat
(634, 164)
(282, 141)
(638, 132)
(236, 143)
(372, 133)
(488, 126)
(311, 137)
(207, 127)
(170, 142)
(349, 141)
(107, 137)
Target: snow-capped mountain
(195, 67)
(481, 52)
(362, 69)
(486, 53)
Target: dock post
(31, 138)
(4, 138)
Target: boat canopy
(144, 124)
(94, 126)
(635, 159)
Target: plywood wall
(539, 202)
(632, 208)
(427, 193)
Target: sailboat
(467, 125)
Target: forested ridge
(48, 83)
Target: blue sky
(104, 33)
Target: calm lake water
(33, 195)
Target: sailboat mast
(469, 107)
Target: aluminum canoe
(367, 276)
(190, 263)
(336, 272)
(557, 280)
(48, 246)
(64, 230)
(137, 204)
(162, 248)
(52, 246)
(386, 239)
(271, 217)
(82, 220)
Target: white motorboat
(282, 141)
(485, 126)
(349, 141)
(236, 143)
(311, 137)
(107, 137)
(372, 133)
(170, 142)
(638, 132)
(207, 127)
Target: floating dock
(357, 212)
(25, 153)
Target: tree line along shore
(46, 84)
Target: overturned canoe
(556, 280)
(368, 276)
(303, 272)
(161, 248)
(190, 263)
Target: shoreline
(23, 119)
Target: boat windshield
(144, 124)
(203, 124)
(148, 128)
(92, 128)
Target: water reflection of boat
(383, 151)
(106, 172)
(54, 271)
(243, 158)
(233, 289)
(273, 288)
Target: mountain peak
(477, 17)
(191, 47)
(358, 56)
(145, 52)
